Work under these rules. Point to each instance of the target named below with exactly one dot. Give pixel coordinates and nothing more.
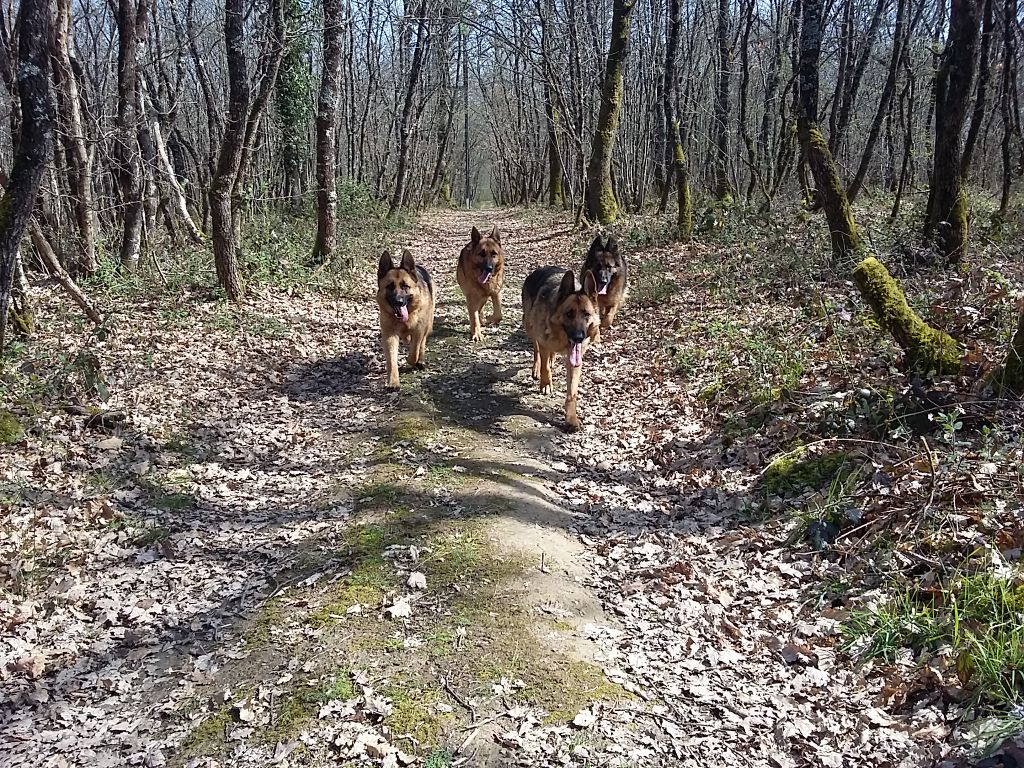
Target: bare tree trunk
(946, 219)
(981, 98)
(684, 216)
(167, 169)
(326, 129)
(1006, 91)
(556, 171)
(846, 239)
(225, 246)
(33, 73)
(888, 89)
(405, 123)
(79, 161)
(240, 128)
(52, 263)
(723, 103)
(847, 99)
(908, 96)
(132, 18)
(601, 205)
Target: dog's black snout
(576, 335)
(399, 301)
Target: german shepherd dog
(609, 270)
(560, 317)
(405, 295)
(480, 275)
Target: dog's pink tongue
(575, 355)
(403, 313)
(484, 277)
(604, 289)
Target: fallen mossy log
(926, 348)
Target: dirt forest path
(277, 562)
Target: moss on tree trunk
(684, 218)
(20, 314)
(601, 204)
(926, 348)
(843, 231)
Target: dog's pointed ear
(474, 236)
(568, 286)
(596, 245)
(590, 285)
(612, 246)
(496, 234)
(408, 263)
(384, 265)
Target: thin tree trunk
(132, 18)
(326, 130)
(52, 263)
(723, 103)
(1006, 91)
(177, 194)
(556, 171)
(888, 89)
(69, 104)
(684, 216)
(908, 142)
(405, 122)
(848, 98)
(981, 98)
(36, 109)
(225, 246)
(601, 205)
(946, 221)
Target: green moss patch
(414, 712)
(210, 736)
(472, 628)
(10, 428)
(411, 427)
(799, 470)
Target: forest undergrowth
(223, 544)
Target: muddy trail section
(270, 560)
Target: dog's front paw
(477, 337)
(392, 388)
(572, 424)
(546, 389)
(419, 366)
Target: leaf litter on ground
(133, 561)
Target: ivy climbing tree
(293, 100)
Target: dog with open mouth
(609, 269)
(405, 296)
(480, 274)
(560, 316)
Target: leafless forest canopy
(407, 118)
